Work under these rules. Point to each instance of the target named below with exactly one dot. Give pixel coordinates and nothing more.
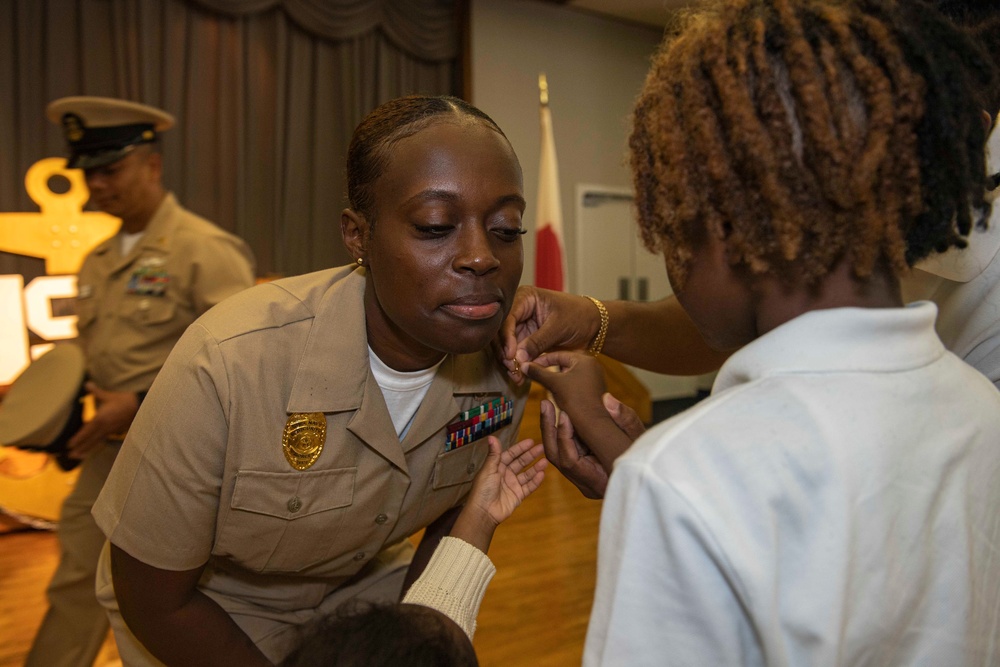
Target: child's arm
(458, 573)
(504, 481)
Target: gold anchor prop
(32, 487)
(62, 234)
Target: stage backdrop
(266, 94)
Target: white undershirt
(403, 392)
(128, 242)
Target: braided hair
(809, 132)
(373, 139)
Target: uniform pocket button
(359, 556)
(294, 505)
(471, 468)
(381, 518)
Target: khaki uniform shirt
(202, 477)
(132, 309)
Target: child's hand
(578, 389)
(573, 457)
(506, 479)
(577, 384)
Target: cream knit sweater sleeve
(454, 582)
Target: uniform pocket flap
(149, 309)
(293, 495)
(460, 465)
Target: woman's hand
(542, 320)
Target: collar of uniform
(161, 226)
(334, 366)
(157, 232)
(839, 340)
(474, 375)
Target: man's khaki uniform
(132, 310)
(203, 477)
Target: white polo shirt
(836, 501)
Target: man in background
(137, 293)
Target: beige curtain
(266, 94)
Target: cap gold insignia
(304, 437)
(71, 124)
(148, 135)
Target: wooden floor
(535, 611)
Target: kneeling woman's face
(444, 253)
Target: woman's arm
(174, 620)
(657, 335)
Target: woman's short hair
(397, 119)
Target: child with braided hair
(834, 501)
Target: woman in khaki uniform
(302, 431)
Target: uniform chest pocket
(149, 310)
(285, 522)
(459, 466)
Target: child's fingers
(527, 474)
(562, 359)
(496, 449)
(516, 450)
(532, 478)
(525, 459)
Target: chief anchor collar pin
(303, 439)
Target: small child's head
(372, 635)
(806, 135)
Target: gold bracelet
(598, 344)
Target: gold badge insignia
(304, 437)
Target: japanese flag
(550, 265)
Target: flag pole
(550, 262)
